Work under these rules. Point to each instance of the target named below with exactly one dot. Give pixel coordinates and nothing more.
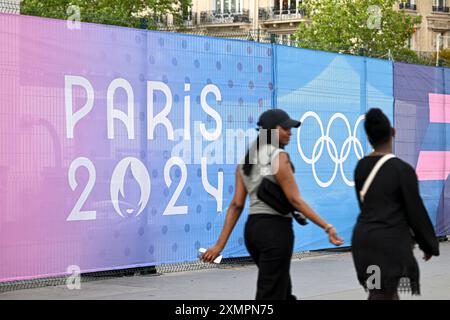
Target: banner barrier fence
(119, 146)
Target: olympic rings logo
(337, 157)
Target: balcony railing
(407, 5)
(441, 9)
(275, 13)
(217, 17)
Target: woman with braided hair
(392, 216)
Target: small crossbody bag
(273, 195)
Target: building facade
(435, 24)
(277, 20)
(265, 18)
(280, 19)
(10, 6)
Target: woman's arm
(233, 213)
(286, 180)
(417, 215)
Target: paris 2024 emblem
(142, 178)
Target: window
(440, 6)
(285, 39)
(219, 5)
(442, 40)
(286, 6)
(228, 6)
(408, 4)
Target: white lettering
(127, 119)
(161, 118)
(210, 136)
(217, 193)
(73, 117)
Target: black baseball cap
(273, 117)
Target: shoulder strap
(277, 152)
(372, 175)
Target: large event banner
(422, 120)
(118, 145)
(329, 93)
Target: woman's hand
(426, 256)
(233, 213)
(334, 238)
(211, 254)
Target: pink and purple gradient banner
(36, 238)
(87, 172)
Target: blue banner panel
(329, 93)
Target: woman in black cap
(269, 236)
(391, 212)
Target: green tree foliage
(129, 13)
(364, 27)
(444, 57)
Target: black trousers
(270, 241)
